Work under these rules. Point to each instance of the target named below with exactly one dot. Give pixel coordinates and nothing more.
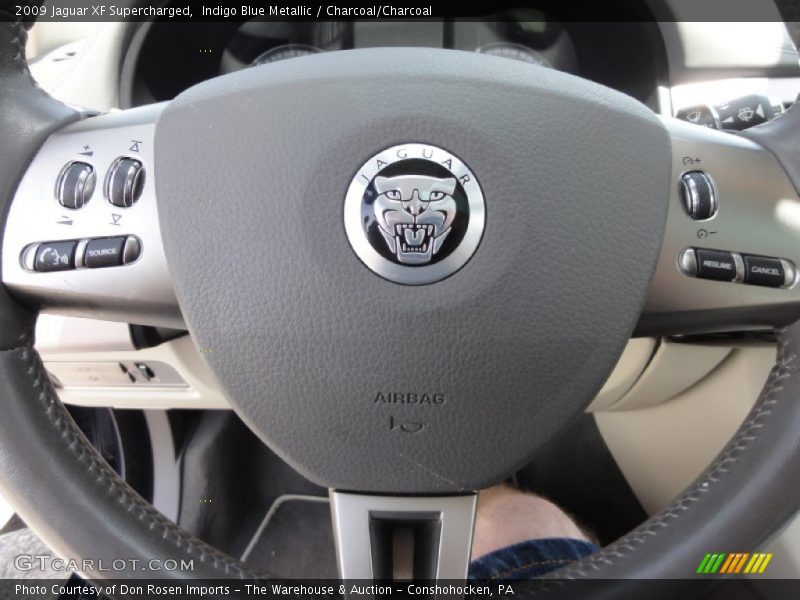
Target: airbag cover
(366, 384)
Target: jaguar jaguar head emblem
(415, 214)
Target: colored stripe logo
(733, 563)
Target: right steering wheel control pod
(721, 265)
(699, 195)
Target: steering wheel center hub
(528, 202)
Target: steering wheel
(408, 270)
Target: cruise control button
(762, 270)
(715, 264)
(104, 252)
(55, 256)
(699, 195)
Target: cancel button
(762, 270)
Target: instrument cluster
(169, 57)
(526, 36)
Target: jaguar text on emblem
(414, 214)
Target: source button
(104, 252)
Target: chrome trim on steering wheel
(361, 546)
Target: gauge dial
(283, 53)
(515, 52)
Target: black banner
(244, 10)
(708, 588)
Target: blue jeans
(529, 559)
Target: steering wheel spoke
(731, 248)
(403, 537)
(82, 235)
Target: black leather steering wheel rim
(95, 513)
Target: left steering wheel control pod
(721, 265)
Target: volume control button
(124, 182)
